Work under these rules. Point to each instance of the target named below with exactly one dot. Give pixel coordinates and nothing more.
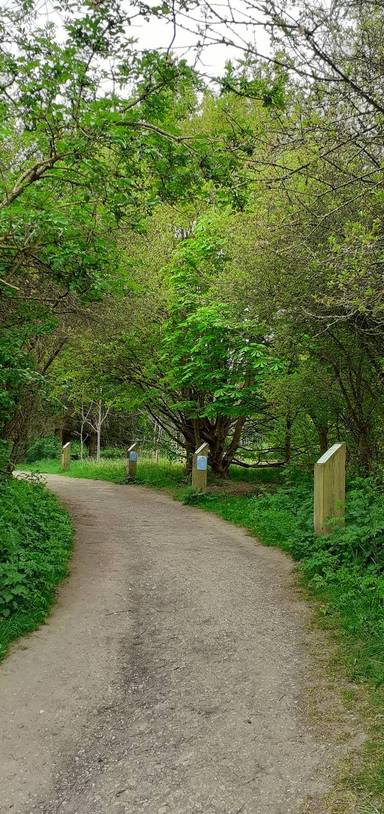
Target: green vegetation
(36, 542)
(43, 448)
(156, 229)
(161, 475)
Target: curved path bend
(168, 679)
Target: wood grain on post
(329, 496)
(132, 461)
(66, 456)
(200, 468)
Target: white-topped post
(66, 456)
(132, 461)
(329, 489)
(200, 468)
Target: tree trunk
(188, 458)
(98, 432)
(92, 444)
(288, 439)
(365, 449)
(219, 464)
(323, 439)
(82, 440)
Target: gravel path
(168, 679)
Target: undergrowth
(35, 546)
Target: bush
(36, 540)
(359, 544)
(76, 450)
(346, 568)
(48, 447)
(114, 453)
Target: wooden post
(199, 468)
(329, 497)
(132, 461)
(66, 456)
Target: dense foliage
(206, 255)
(36, 542)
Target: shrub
(35, 545)
(114, 453)
(48, 447)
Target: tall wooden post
(132, 461)
(66, 456)
(329, 496)
(200, 468)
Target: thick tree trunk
(92, 444)
(219, 464)
(188, 459)
(222, 436)
(365, 449)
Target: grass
(107, 469)
(265, 475)
(343, 570)
(163, 474)
(35, 546)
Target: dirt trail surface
(168, 678)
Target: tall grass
(161, 474)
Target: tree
(197, 370)
(89, 140)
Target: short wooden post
(132, 461)
(200, 468)
(66, 456)
(329, 496)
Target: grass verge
(35, 546)
(161, 475)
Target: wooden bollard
(132, 461)
(200, 468)
(66, 456)
(329, 496)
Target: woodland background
(193, 259)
